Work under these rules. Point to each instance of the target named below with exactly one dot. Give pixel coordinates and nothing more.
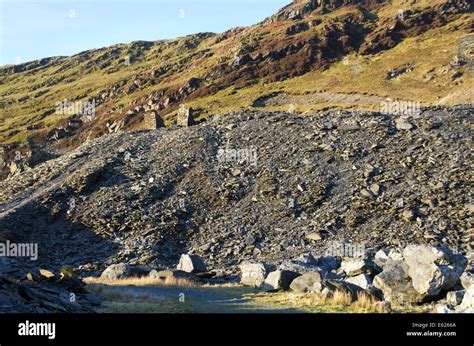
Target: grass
(338, 302)
(141, 282)
(29, 95)
(132, 295)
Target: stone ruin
(185, 116)
(152, 121)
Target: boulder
(279, 280)
(363, 280)
(301, 264)
(343, 286)
(308, 282)
(191, 264)
(381, 257)
(116, 271)
(454, 297)
(467, 280)
(253, 273)
(395, 283)
(354, 266)
(467, 304)
(432, 269)
(402, 123)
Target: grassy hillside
(349, 49)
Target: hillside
(311, 55)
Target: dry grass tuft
(144, 281)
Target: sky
(35, 29)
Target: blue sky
(34, 29)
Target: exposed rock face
(116, 271)
(432, 269)
(191, 264)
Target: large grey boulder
(343, 286)
(116, 271)
(432, 269)
(191, 264)
(395, 283)
(308, 282)
(381, 257)
(279, 280)
(363, 280)
(253, 273)
(354, 266)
